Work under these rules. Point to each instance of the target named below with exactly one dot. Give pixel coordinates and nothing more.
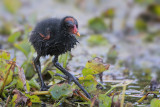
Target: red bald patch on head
(75, 29)
(69, 19)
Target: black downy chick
(54, 37)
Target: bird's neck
(66, 37)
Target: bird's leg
(70, 76)
(37, 65)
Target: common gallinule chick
(54, 37)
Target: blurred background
(124, 33)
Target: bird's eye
(70, 26)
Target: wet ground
(140, 58)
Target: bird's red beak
(75, 31)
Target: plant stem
(40, 93)
(150, 92)
(60, 101)
(110, 90)
(123, 95)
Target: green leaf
(34, 84)
(13, 83)
(97, 40)
(97, 25)
(51, 73)
(89, 83)
(33, 98)
(155, 103)
(57, 91)
(141, 25)
(28, 69)
(157, 10)
(112, 55)
(19, 84)
(27, 86)
(144, 2)
(23, 47)
(6, 27)
(13, 37)
(12, 5)
(14, 98)
(109, 13)
(63, 59)
(104, 101)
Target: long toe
(71, 78)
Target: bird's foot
(69, 78)
(72, 78)
(45, 87)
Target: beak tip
(78, 34)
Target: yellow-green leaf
(155, 102)
(88, 82)
(33, 98)
(104, 101)
(97, 40)
(4, 55)
(94, 66)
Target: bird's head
(70, 24)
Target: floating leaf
(97, 40)
(94, 66)
(6, 27)
(141, 25)
(57, 91)
(109, 13)
(13, 37)
(144, 2)
(155, 103)
(154, 9)
(112, 55)
(104, 101)
(88, 82)
(97, 25)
